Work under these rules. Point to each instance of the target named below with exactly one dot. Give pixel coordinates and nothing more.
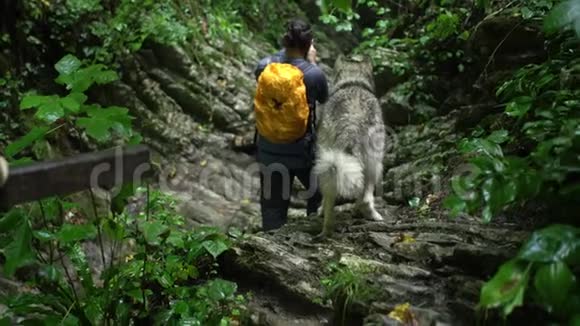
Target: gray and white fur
(350, 141)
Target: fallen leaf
(403, 314)
(405, 238)
(431, 198)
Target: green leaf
(106, 77)
(70, 320)
(509, 191)
(215, 247)
(527, 13)
(27, 140)
(553, 244)
(137, 294)
(165, 280)
(176, 239)
(135, 139)
(554, 282)
(487, 214)
(80, 85)
(50, 112)
(234, 232)
(67, 80)
(68, 64)
(28, 303)
(181, 307)
(344, 5)
(19, 252)
(32, 101)
(43, 235)
(94, 312)
(123, 313)
(190, 321)
(467, 146)
(152, 230)
(219, 289)
(115, 230)
(323, 5)
(498, 136)
(84, 78)
(414, 202)
(96, 128)
(73, 102)
(205, 232)
(11, 220)
(120, 201)
(76, 232)
(529, 183)
(455, 204)
(102, 121)
(506, 288)
(462, 185)
(50, 273)
(498, 193)
(519, 106)
(489, 148)
(81, 264)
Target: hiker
(289, 85)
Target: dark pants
(275, 191)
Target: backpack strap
(312, 116)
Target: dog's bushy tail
(338, 173)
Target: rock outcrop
(437, 266)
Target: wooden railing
(105, 169)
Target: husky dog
(350, 141)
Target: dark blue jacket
(292, 155)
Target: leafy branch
(52, 112)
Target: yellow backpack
(280, 105)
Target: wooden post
(105, 169)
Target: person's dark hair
(298, 35)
